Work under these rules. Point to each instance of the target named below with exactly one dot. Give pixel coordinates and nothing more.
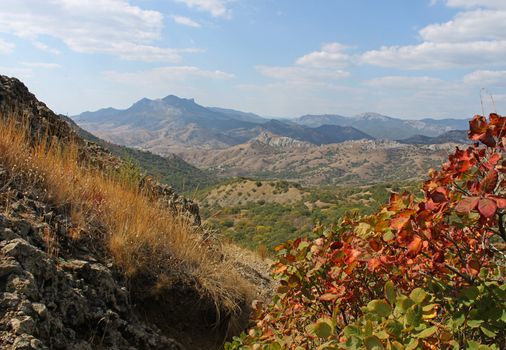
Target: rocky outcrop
(57, 293)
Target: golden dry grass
(141, 235)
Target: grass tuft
(141, 235)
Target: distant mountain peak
(372, 116)
(177, 99)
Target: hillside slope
(351, 162)
(93, 257)
(170, 169)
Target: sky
(277, 58)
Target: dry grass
(142, 236)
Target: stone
(22, 324)
(6, 234)
(40, 309)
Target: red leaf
(467, 204)
(375, 245)
(489, 182)
(439, 195)
(487, 207)
(477, 126)
(488, 139)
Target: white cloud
(486, 78)
(106, 26)
(474, 38)
(495, 4)
(477, 25)
(186, 21)
(6, 47)
(217, 8)
(330, 55)
(430, 55)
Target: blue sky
(411, 59)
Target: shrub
(419, 274)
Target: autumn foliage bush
(425, 272)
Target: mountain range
(174, 124)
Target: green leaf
(388, 235)
(428, 332)
(323, 328)
(380, 307)
(275, 346)
(418, 295)
(412, 345)
(362, 229)
(414, 315)
(489, 333)
(373, 343)
(381, 335)
(471, 293)
(474, 323)
(351, 330)
(404, 303)
(394, 328)
(390, 292)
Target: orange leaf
(415, 246)
(399, 222)
(373, 264)
(328, 297)
(499, 201)
(487, 207)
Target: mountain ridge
(174, 124)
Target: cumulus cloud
(6, 47)
(330, 55)
(185, 21)
(477, 25)
(107, 26)
(217, 8)
(475, 37)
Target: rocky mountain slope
(61, 283)
(173, 124)
(366, 161)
